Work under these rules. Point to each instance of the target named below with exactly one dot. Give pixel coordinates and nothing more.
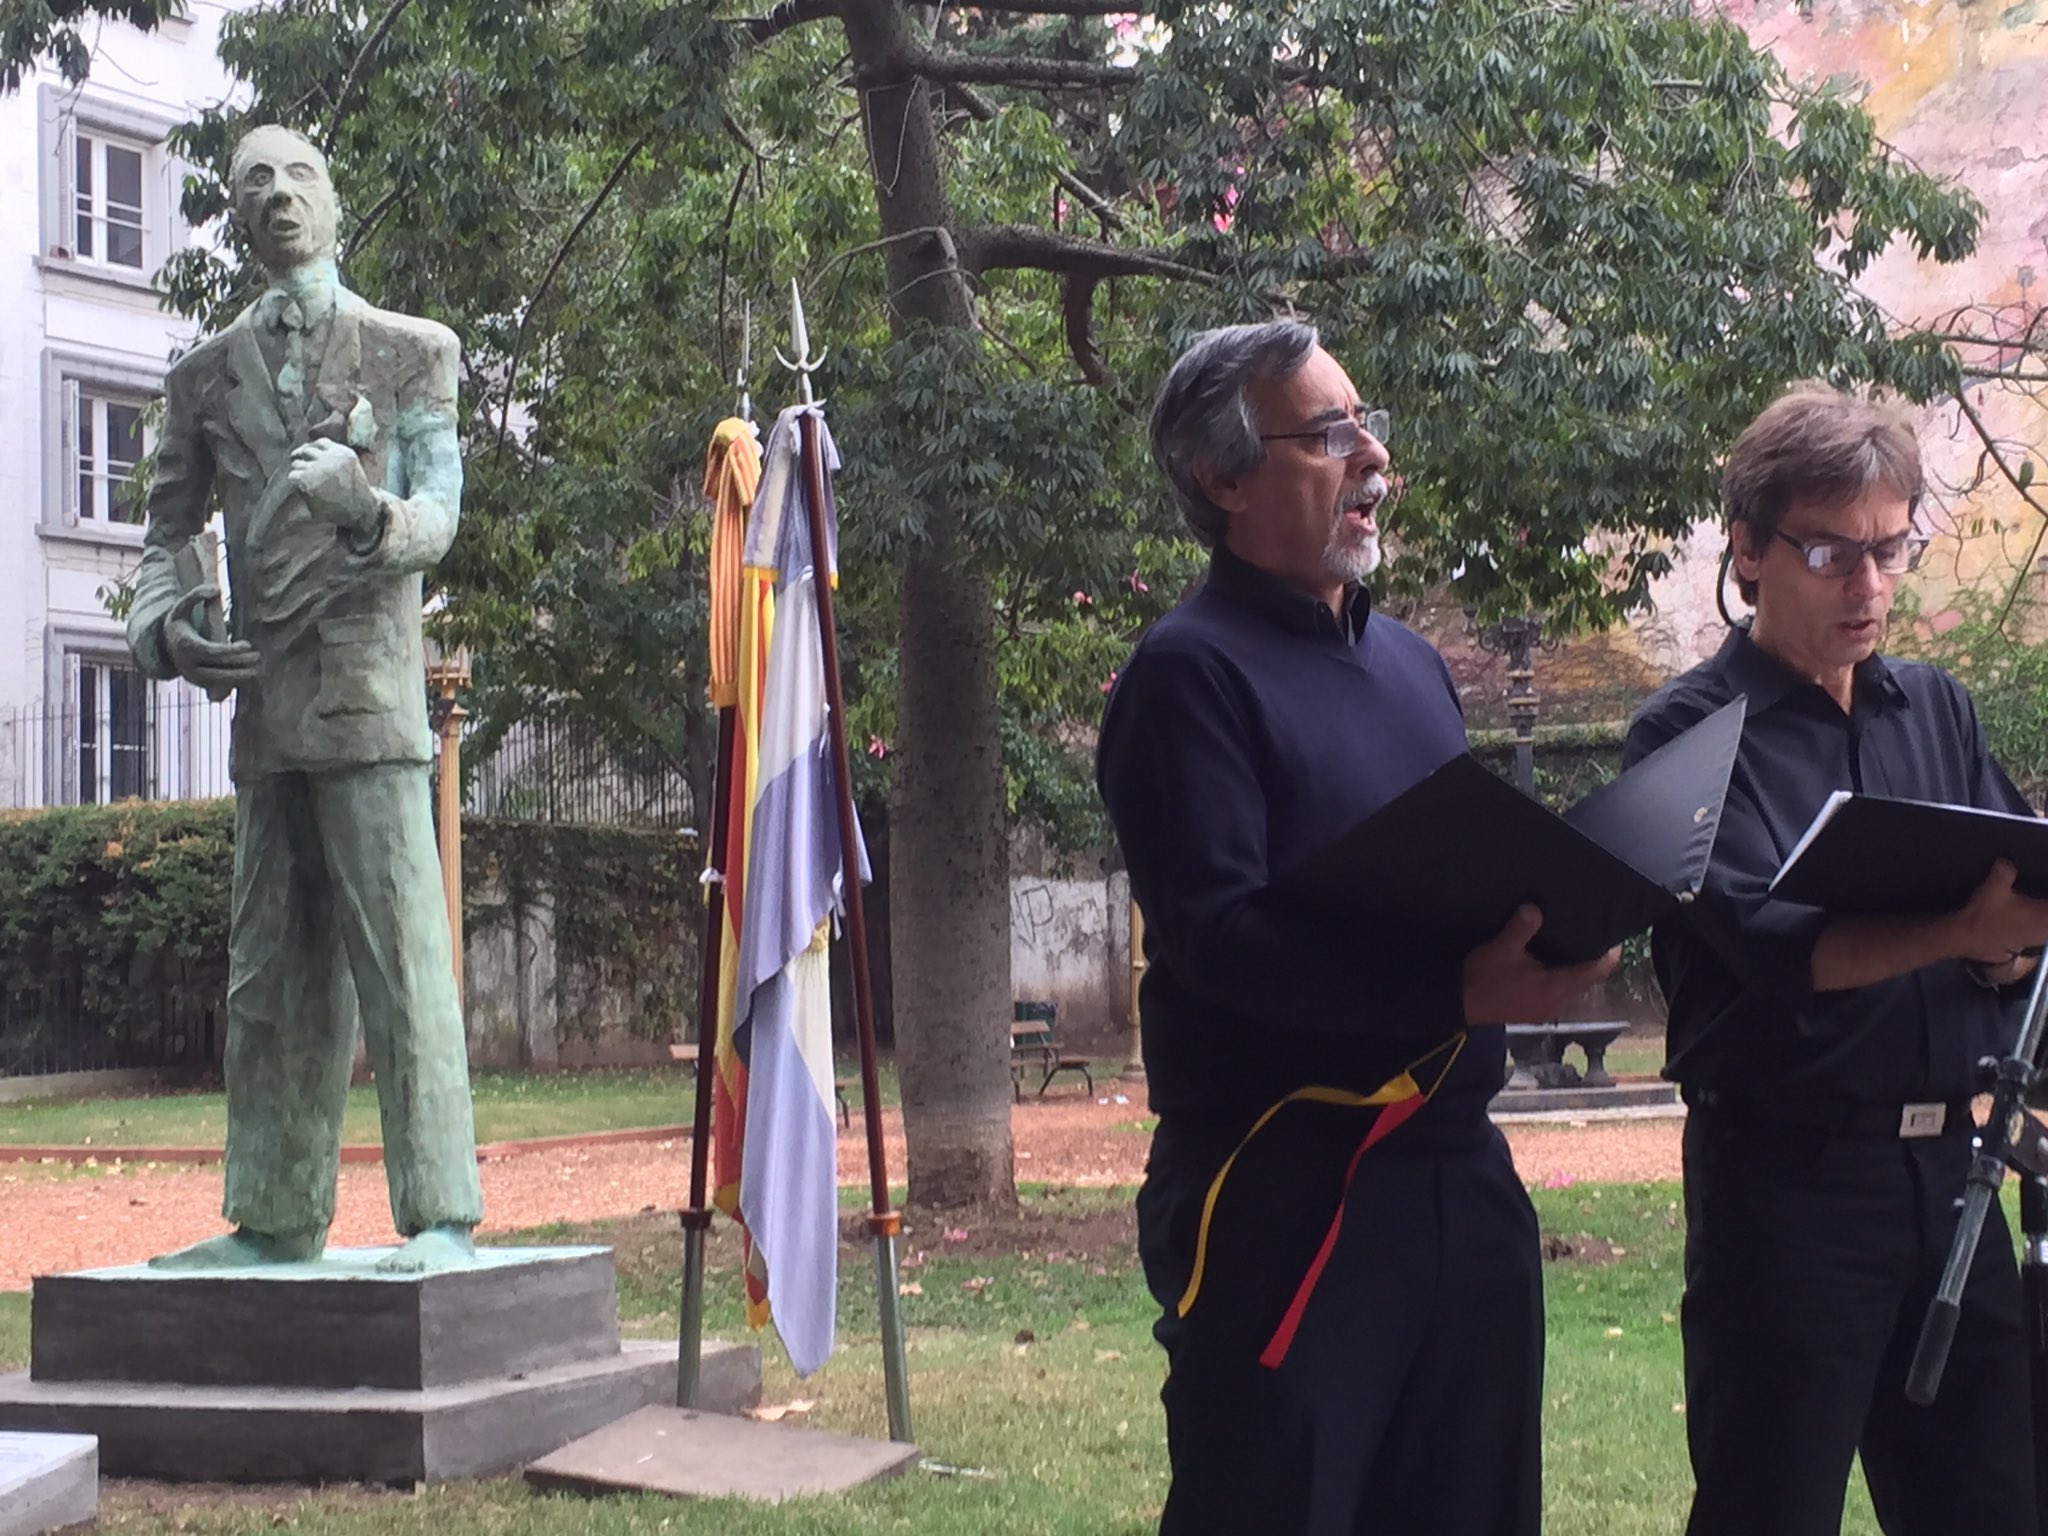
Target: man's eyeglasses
(1344, 437)
(1839, 558)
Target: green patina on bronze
(324, 431)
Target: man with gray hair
(325, 431)
(1354, 1343)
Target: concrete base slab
(1511, 1102)
(696, 1455)
(47, 1482)
(374, 1435)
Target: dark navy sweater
(1249, 730)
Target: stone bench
(1538, 1052)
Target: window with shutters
(109, 189)
(107, 208)
(100, 414)
(111, 438)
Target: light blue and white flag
(789, 1188)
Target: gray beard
(1349, 557)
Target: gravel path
(57, 1219)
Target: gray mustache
(1376, 490)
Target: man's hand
(1997, 922)
(1505, 984)
(330, 476)
(208, 663)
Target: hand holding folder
(1448, 862)
(1866, 854)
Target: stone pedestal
(47, 1482)
(333, 1372)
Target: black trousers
(1810, 1258)
(1410, 1400)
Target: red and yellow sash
(1397, 1101)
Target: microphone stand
(2010, 1137)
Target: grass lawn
(1035, 1379)
(510, 1106)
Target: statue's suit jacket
(335, 617)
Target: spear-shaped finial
(799, 334)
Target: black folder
(1446, 863)
(1908, 858)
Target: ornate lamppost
(1518, 639)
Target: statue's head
(283, 197)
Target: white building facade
(89, 196)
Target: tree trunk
(950, 900)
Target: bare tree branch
(367, 224)
(547, 278)
(994, 69)
(790, 13)
(1083, 266)
(2010, 474)
(355, 71)
(1008, 247)
(1060, 7)
(1077, 305)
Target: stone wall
(1070, 946)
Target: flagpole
(696, 1217)
(883, 1222)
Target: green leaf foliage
(1573, 247)
(124, 908)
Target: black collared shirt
(1248, 731)
(1737, 966)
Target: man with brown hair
(1828, 1060)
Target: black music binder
(1908, 858)
(1447, 862)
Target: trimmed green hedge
(128, 904)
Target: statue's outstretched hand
(209, 663)
(330, 476)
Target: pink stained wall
(1962, 90)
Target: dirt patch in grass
(1579, 1248)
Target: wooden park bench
(1034, 1045)
(1538, 1051)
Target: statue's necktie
(291, 378)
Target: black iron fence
(122, 737)
(559, 771)
(118, 737)
(53, 1029)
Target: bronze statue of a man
(324, 429)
